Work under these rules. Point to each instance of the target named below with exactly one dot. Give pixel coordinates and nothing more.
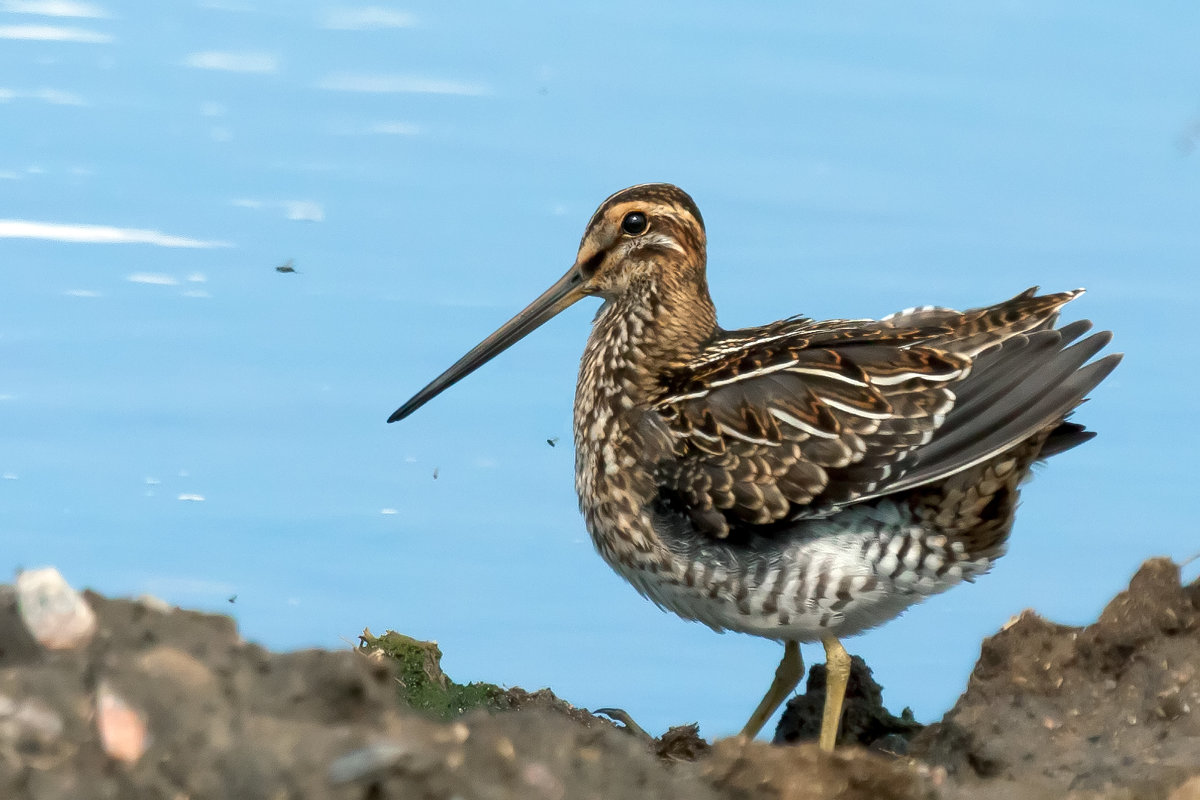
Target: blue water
(848, 161)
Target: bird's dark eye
(634, 223)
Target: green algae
(422, 684)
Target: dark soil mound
(865, 721)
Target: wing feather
(800, 418)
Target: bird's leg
(837, 675)
(787, 675)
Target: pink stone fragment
(123, 733)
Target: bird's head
(647, 235)
(646, 232)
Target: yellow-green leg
(837, 675)
(787, 675)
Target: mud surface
(146, 701)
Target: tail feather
(1006, 406)
(1063, 438)
(1008, 365)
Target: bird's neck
(642, 336)
(636, 340)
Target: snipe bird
(803, 480)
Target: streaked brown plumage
(801, 480)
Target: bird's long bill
(566, 291)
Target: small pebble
(367, 762)
(57, 615)
(538, 777)
(1188, 790)
(156, 604)
(504, 747)
(20, 719)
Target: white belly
(839, 576)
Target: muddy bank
(1111, 709)
(105, 698)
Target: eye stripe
(592, 264)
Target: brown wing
(798, 418)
